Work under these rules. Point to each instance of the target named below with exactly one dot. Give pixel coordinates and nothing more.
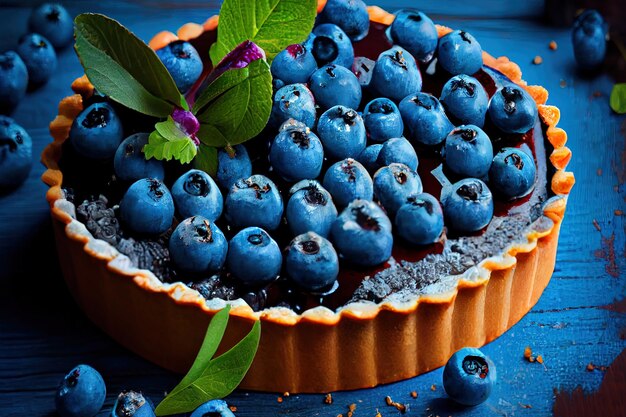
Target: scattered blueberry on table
(54, 22)
(132, 404)
(81, 393)
(39, 57)
(13, 81)
(469, 377)
(16, 149)
(589, 37)
(213, 408)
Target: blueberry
(369, 157)
(591, 17)
(294, 64)
(342, 133)
(362, 234)
(330, 45)
(363, 67)
(81, 393)
(468, 206)
(254, 201)
(231, 167)
(213, 408)
(16, 149)
(311, 262)
(415, 32)
(465, 100)
(468, 152)
(513, 110)
(293, 101)
(254, 258)
(130, 164)
(310, 209)
(349, 15)
(398, 150)
(53, 22)
(382, 120)
(335, 85)
(420, 219)
(132, 404)
(296, 153)
(147, 207)
(589, 40)
(183, 63)
(425, 119)
(396, 74)
(198, 246)
(459, 53)
(348, 180)
(512, 173)
(39, 57)
(97, 132)
(196, 194)
(13, 81)
(469, 377)
(393, 184)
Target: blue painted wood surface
(43, 334)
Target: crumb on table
(414, 394)
(328, 398)
(400, 407)
(553, 45)
(537, 60)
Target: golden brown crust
(319, 350)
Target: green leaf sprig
(618, 98)
(234, 105)
(210, 378)
(272, 24)
(122, 67)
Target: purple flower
(240, 57)
(187, 122)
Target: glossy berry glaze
(411, 270)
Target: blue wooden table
(580, 320)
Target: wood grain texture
(43, 334)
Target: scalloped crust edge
(363, 344)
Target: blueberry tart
(408, 187)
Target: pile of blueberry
(29, 67)
(339, 174)
(34, 61)
(82, 392)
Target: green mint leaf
(239, 103)
(218, 378)
(618, 98)
(212, 338)
(122, 67)
(169, 142)
(206, 159)
(272, 24)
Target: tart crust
(361, 345)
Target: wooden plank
(43, 334)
